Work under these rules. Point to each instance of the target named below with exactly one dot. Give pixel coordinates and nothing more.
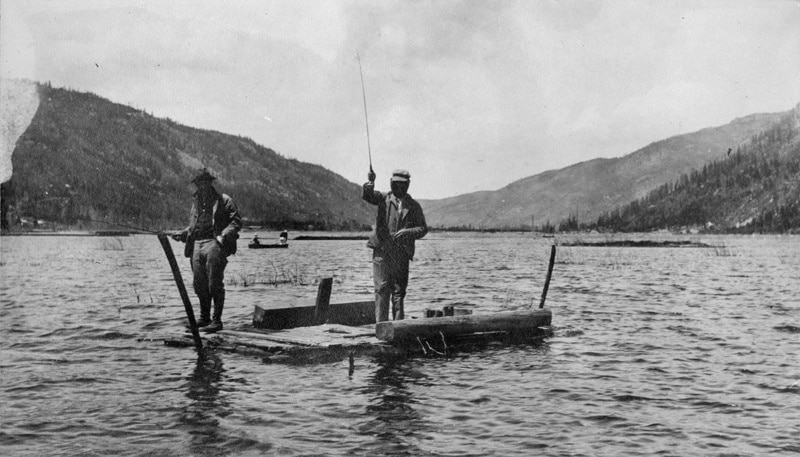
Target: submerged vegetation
(280, 275)
(273, 276)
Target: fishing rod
(118, 224)
(366, 119)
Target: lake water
(655, 351)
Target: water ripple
(654, 352)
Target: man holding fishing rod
(210, 238)
(399, 223)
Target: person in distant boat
(399, 223)
(284, 237)
(256, 240)
(210, 238)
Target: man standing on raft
(399, 223)
(210, 238)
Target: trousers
(208, 269)
(390, 275)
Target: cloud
(17, 49)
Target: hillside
(588, 189)
(754, 189)
(85, 158)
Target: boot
(216, 321)
(214, 326)
(205, 316)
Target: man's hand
(371, 176)
(402, 234)
(179, 237)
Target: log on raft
(518, 322)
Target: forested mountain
(85, 158)
(755, 188)
(586, 190)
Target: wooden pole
(549, 275)
(323, 300)
(187, 304)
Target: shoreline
(112, 233)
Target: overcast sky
(466, 95)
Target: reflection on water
(394, 424)
(202, 414)
(655, 351)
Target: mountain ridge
(754, 189)
(587, 189)
(84, 158)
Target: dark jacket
(411, 218)
(227, 224)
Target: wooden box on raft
(277, 316)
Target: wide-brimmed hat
(204, 176)
(401, 175)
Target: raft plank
(285, 339)
(264, 345)
(326, 335)
(508, 321)
(292, 314)
(252, 336)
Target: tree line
(754, 189)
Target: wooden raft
(330, 342)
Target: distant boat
(267, 246)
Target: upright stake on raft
(187, 304)
(323, 300)
(549, 275)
